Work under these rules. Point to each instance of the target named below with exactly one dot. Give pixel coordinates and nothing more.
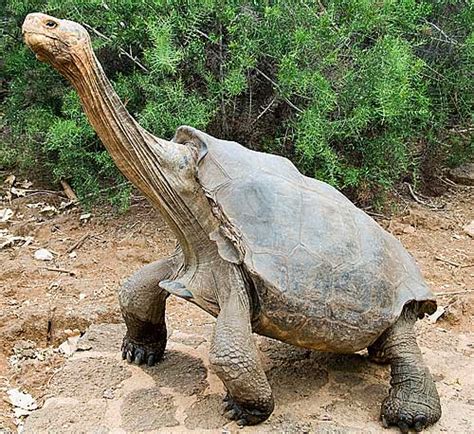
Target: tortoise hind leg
(376, 352)
(143, 304)
(413, 401)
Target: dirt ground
(43, 303)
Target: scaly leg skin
(234, 358)
(413, 401)
(143, 304)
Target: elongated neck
(127, 142)
(147, 161)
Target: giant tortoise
(261, 247)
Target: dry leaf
(10, 180)
(26, 184)
(49, 210)
(20, 192)
(5, 214)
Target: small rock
(22, 400)
(108, 394)
(69, 347)
(401, 228)
(463, 174)
(73, 255)
(70, 333)
(43, 255)
(469, 229)
(85, 217)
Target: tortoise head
(61, 43)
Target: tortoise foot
(245, 414)
(409, 414)
(139, 353)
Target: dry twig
(69, 191)
(418, 200)
(59, 270)
(78, 243)
(121, 50)
(451, 183)
(276, 85)
(455, 264)
(447, 293)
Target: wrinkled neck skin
(163, 171)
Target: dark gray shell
(311, 251)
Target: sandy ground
(93, 390)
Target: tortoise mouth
(46, 47)
(35, 39)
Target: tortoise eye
(51, 24)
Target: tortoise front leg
(413, 401)
(234, 358)
(143, 304)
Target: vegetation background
(363, 94)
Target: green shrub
(359, 93)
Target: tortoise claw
(244, 415)
(139, 356)
(139, 353)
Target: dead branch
(68, 191)
(78, 243)
(418, 200)
(375, 214)
(265, 110)
(59, 270)
(39, 192)
(447, 293)
(121, 50)
(276, 85)
(454, 264)
(451, 183)
(446, 36)
(447, 261)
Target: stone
(88, 378)
(60, 415)
(469, 229)
(102, 337)
(147, 410)
(43, 255)
(463, 174)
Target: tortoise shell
(322, 268)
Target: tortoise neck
(127, 142)
(145, 160)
